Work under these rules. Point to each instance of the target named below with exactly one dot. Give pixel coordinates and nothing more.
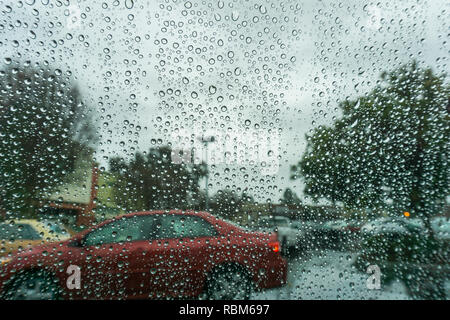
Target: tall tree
(227, 203)
(389, 149)
(44, 126)
(290, 198)
(153, 181)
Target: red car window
(127, 229)
(177, 226)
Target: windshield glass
(320, 130)
(58, 229)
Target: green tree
(153, 181)
(290, 198)
(44, 126)
(390, 148)
(227, 203)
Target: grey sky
(274, 67)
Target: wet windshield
(237, 149)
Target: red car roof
(186, 212)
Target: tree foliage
(44, 127)
(290, 198)
(227, 203)
(389, 149)
(153, 181)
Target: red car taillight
(275, 246)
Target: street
(329, 275)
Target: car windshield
(304, 143)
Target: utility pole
(205, 141)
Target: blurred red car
(155, 254)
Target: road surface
(329, 275)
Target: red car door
(110, 258)
(146, 256)
(143, 279)
(99, 271)
(146, 276)
(153, 260)
(181, 255)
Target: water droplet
(129, 4)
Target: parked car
(336, 225)
(440, 226)
(23, 234)
(354, 226)
(383, 225)
(333, 234)
(300, 229)
(313, 231)
(152, 254)
(392, 226)
(288, 235)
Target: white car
(383, 225)
(287, 234)
(392, 225)
(301, 230)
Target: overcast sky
(258, 75)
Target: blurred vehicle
(331, 233)
(306, 227)
(373, 225)
(336, 225)
(387, 225)
(441, 227)
(344, 227)
(354, 226)
(402, 226)
(314, 228)
(150, 255)
(287, 234)
(349, 226)
(26, 233)
(300, 228)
